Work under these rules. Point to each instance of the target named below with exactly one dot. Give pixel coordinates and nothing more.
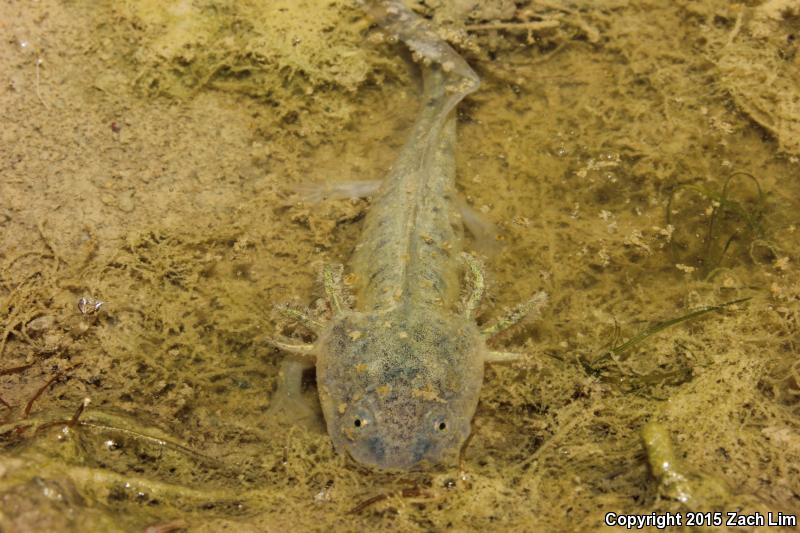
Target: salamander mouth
(421, 449)
(375, 453)
(377, 449)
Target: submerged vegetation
(638, 158)
(731, 219)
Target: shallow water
(633, 156)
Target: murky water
(639, 159)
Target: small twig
(526, 26)
(100, 479)
(166, 527)
(737, 27)
(15, 370)
(7, 331)
(165, 443)
(554, 6)
(565, 429)
(101, 421)
(462, 452)
(50, 245)
(547, 57)
(38, 94)
(39, 392)
(78, 412)
(412, 492)
(44, 387)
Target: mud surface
(639, 158)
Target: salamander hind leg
(290, 405)
(339, 190)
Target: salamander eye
(358, 422)
(438, 421)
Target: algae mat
(638, 159)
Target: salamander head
(399, 434)
(399, 397)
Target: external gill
(531, 308)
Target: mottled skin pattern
(409, 252)
(400, 374)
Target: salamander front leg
(289, 405)
(341, 190)
(297, 348)
(502, 357)
(304, 350)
